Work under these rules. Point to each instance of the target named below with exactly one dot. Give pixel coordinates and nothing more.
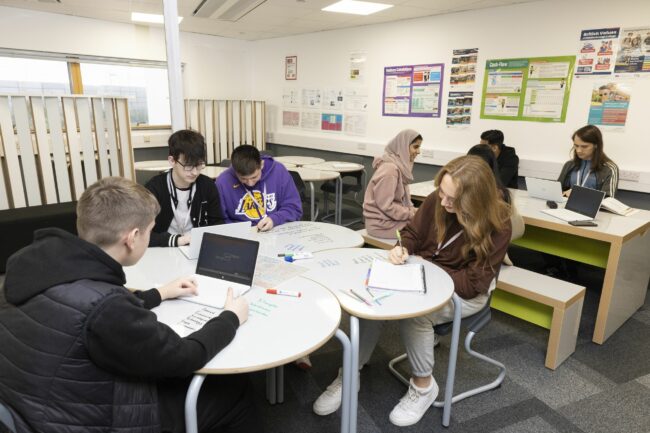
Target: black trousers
(225, 405)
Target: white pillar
(174, 65)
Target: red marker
(283, 292)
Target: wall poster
(597, 51)
(462, 79)
(609, 104)
(291, 68)
(412, 90)
(634, 51)
(530, 89)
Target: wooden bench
(545, 301)
(518, 290)
(382, 243)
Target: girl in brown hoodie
(387, 204)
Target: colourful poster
(530, 89)
(463, 68)
(291, 119)
(331, 122)
(459, 108)
(634, 51)
(597, 51)
(609, 104)
(412, 90)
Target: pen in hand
(399, 242)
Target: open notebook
(405, 278)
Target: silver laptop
(583, 205)
(545, 189)
(223, 262)
(235, 230)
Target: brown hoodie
(387, 203)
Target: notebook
(235, 230)
(223, 262)
(405, 278)
(545, 189)
(583, 205)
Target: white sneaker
(330, 400)
(412, 407)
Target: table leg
(191, 398)
(354, 380)
(279, 379)
(271, 387)
(347, 376)
(312, 215)
(339, 201)
(453, 353)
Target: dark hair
(189, 143)
(419, 137)
(486, 154)
(591, 134)
(493, 136)
(245, 159)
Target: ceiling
(271, 19)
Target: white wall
(526, 30)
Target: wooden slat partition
(43, 163)
(226, 124)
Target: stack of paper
(406, 278)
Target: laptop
(223, 262)
(583, 205)
(236, 230)
(545, 189)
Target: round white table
(341, 270)
(309, 175)
(298, 160)
(270, 337)
(308, 236)
(159, 165)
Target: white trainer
(330, 400)
(412, 407)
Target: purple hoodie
(275, 194)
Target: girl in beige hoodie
(387, 204)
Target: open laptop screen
(585, 201)
(227, 258)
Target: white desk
(298, 160)
(156, 166)
(421, 190)
(270, 338)
(213, 171)
(305, 236)
(347, 268)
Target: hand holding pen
(399, 254)
(265, 224)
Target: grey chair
(224, 163)
(473, 324)
(6, 420)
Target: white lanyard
(580, 177)
(173, 198)
(257, 206)
(442, 247)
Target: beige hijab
(397, 152)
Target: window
(146, 88)
(46, 77)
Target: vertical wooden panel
(254, 123)
(194, 114)
(74, 75)
(52, 105)
(124, 135)
(217, 131)
(74, 150)
(100, 137)
(9, 152)
(201, 116)
(27, 158)
(209, 131)
(48, 185)
(187, 114)
(263, 127)
(11, 155)
(111, 126)
(87, 142)
(230, 131)
(242, 122)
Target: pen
(366, 283)
(424, 279)
(285, 255)
(399, 241)
(361, 298)
(284, 292)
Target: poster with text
(459, 108)
(463, 69)
(358, 65)
(312, 98)
(310, 120)
(597, 51)
(609, 104)
(531, 89)
(634, 51)
(333, 99)
(331, 122)
(412, 90)
(291, 97)
(291, 119)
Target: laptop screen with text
(585, 201)
(227, 258)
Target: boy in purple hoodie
(256, 188)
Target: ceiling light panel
(356, 7)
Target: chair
(300, 185)
(474, 324)
(6, 419)
(224, 163)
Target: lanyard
(579, 178)
(173, 195)
(442, 247)
(255, 203)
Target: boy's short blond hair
(111, 207)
